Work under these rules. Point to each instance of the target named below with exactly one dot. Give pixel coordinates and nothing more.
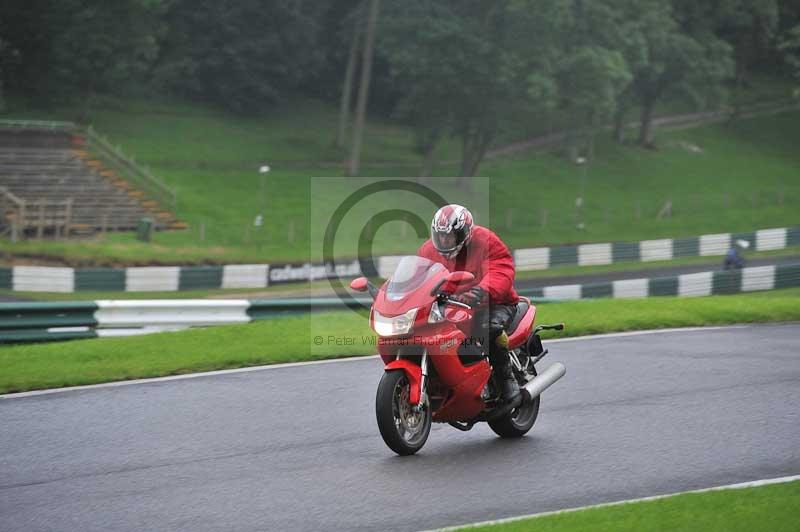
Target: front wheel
(404, 429)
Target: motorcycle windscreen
(411, 273)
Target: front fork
(423, 394)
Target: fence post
(68, 219)
(40, 229)
(22, 215)
(666, 211)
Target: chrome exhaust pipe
(545, 379)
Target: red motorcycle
(436, 370)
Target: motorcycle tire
(519, 421)
(402, 429)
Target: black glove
(473, 297)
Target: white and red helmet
(451, 229)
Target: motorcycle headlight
(393, 325)
(436, 315)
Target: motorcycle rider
(460, 245)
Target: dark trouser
(491, 323)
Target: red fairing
(523, 330)
(488, 258)
(414, 374)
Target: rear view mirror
(359, 284)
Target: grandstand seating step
(54, 170)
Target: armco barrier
(28, 322)
(175, 278)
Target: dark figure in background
(734, 259)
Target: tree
(347, 85)
(663, 61)
(354, 162)
(427, 66)
(99, 46)
(464, 72)
(242, 55)
(747, 25)
(790, 48)
(3, 51)
(591, 70)
(589, 82)
(25, 52)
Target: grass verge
(289, 339)
(772, 508)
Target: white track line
(329, 361)
(742, 485)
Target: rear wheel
(519, 421)
(404, 429)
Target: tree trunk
(429, 159)
(354, 163)
(646, 122)
(619, 124)
(88, 100)
(347, 88)
(466, 150)
(474, 148)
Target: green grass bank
(724, 177)
(772, 507)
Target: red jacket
(488, 259)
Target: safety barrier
(28, 322)
(177, 278)
(722, 282)
(653, 250)
(52, 125)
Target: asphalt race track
(297, 448)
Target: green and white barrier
(688, 285)
(29, 322)
(653, 250)
(177, 278)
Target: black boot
(509, 388)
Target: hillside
(723, 177)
